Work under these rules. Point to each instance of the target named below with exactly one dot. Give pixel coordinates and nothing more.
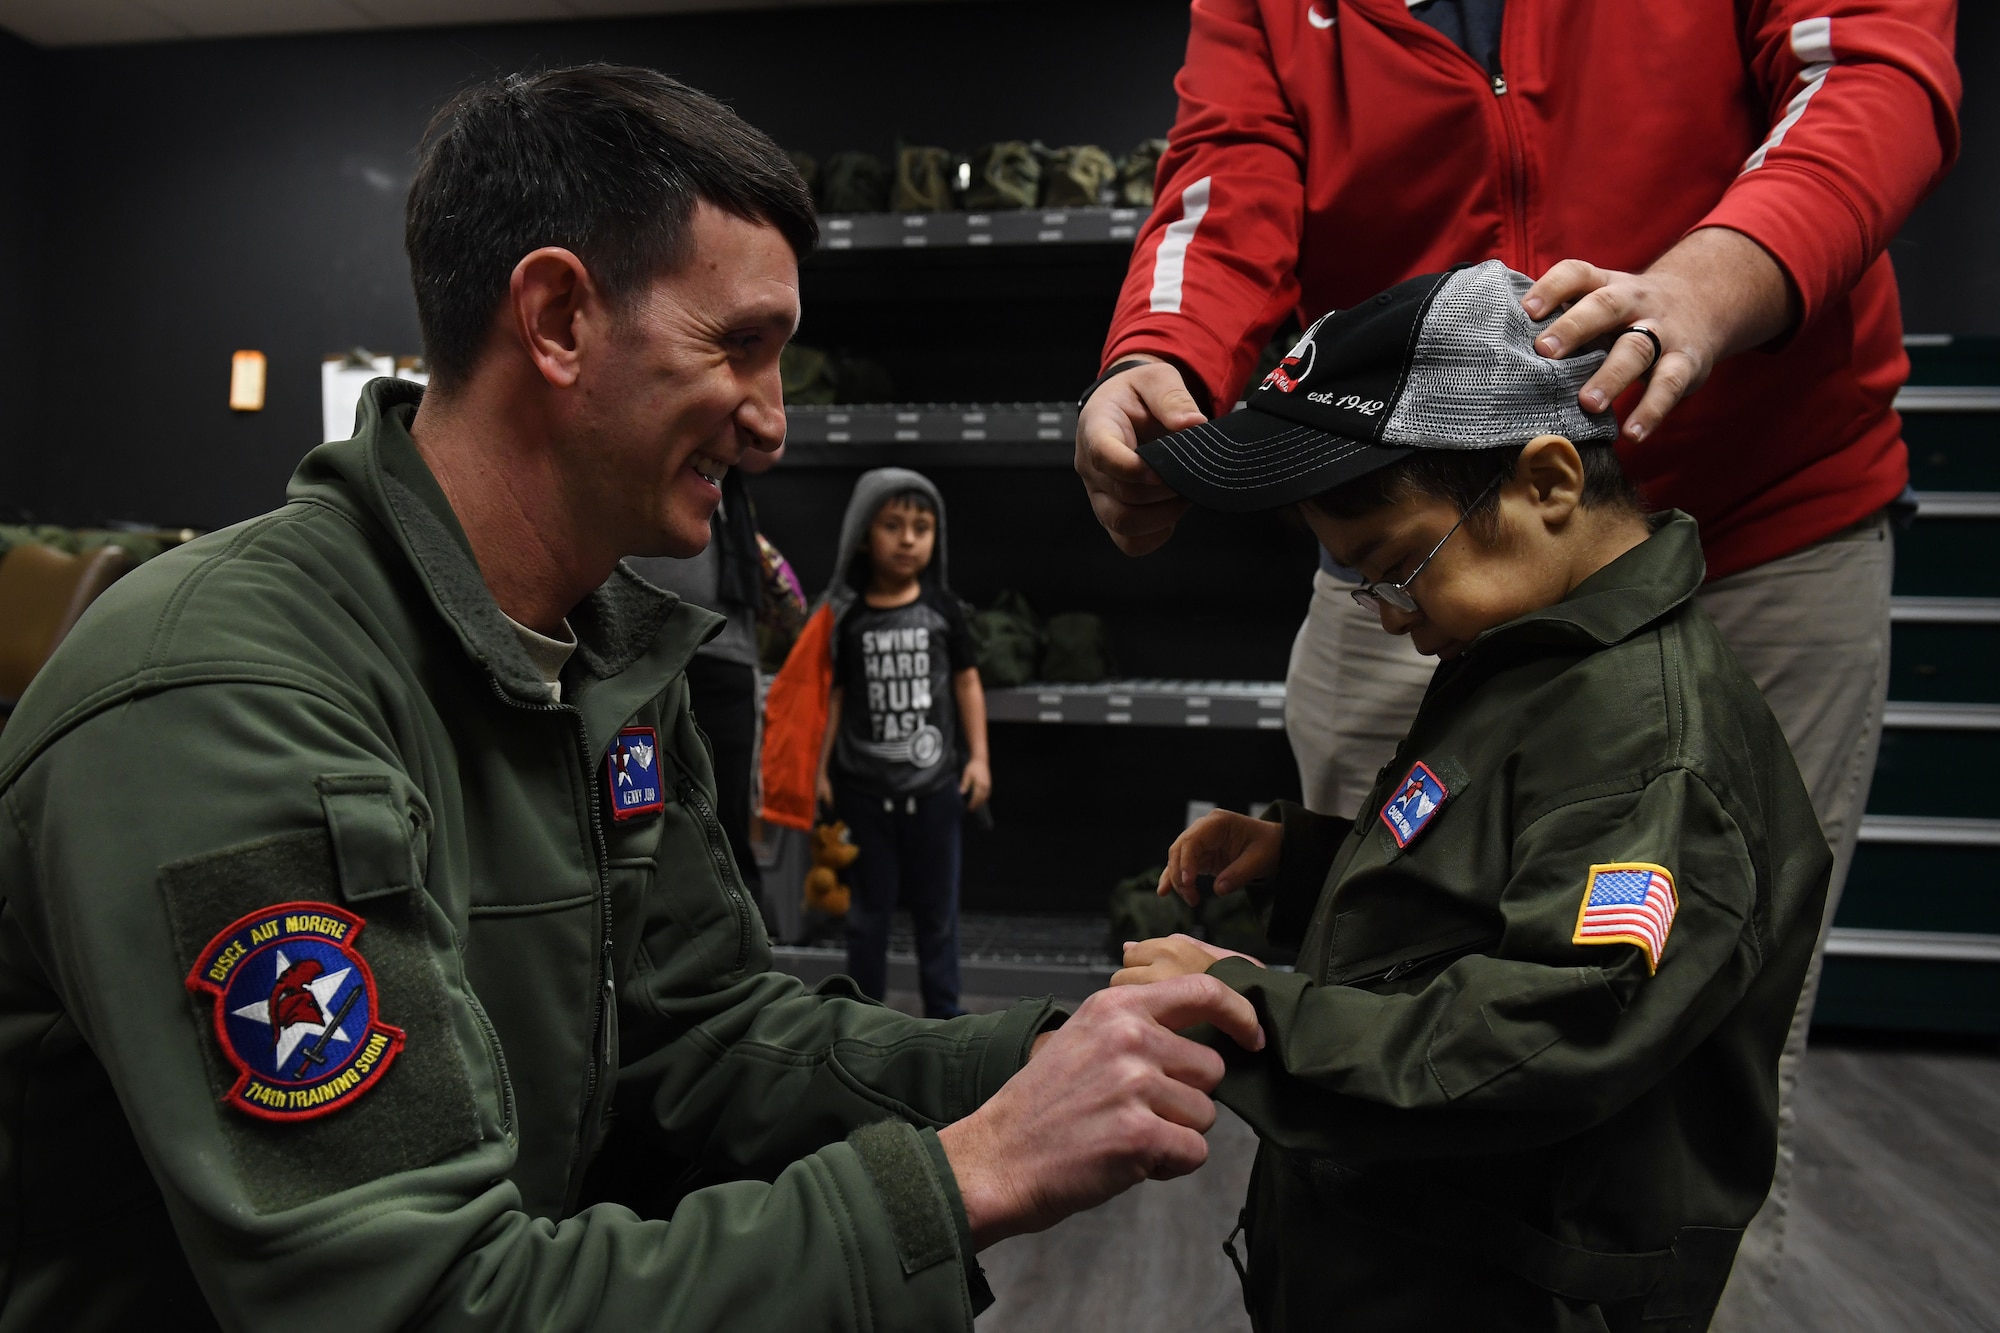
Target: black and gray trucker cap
(1444, 361)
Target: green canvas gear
(1079, 176)
(1004, 175)
(1009, 637)
(923, 179)
(1077, 648)
(853, 182)
(139, 546)
(807, 168)
(809, 375)
(1135, 174)
(860, 379)
(1139, 912)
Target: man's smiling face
(688, 381)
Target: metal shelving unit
(1240, 705)
(1005, 227)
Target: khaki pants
(1811, 628)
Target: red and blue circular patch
(295, 1011)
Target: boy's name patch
(1414, 805)
(295, 1011)
(632, 774)
(1629, 903)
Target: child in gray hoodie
(903, 754)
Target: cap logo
(1288, 374)
(1354, 402)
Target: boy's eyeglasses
(1374, 595)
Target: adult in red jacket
(1724, 173)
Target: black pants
(724, 698)
(909, 850)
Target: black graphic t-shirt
(898, 716)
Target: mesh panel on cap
(1475, 380)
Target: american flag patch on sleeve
(1628, 903)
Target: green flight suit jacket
(323, 707)
(1481, 1106)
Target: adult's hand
(1134, 505)
(1111, 1098)
(1713, 295)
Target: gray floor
(1896, 1224)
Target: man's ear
(548, 299)
(1552, 469)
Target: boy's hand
(976, 784)
(1175, 956)
(1234, 848)
(823, 790)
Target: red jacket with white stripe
(1326, 149)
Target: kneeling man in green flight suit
(1524, 1075)
(372, 957)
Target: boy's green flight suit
(504, 960)
(1469, 1118)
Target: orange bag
(795, 725)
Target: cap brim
(1250, 460)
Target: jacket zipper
(725, 868)
(1517, 158)
(1397, 971)
(1517, 174)
(600, 1036)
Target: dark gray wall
(1948, 255)
(20, 306)
(209, 196)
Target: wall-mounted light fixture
(246, 382)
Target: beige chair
(42, 594)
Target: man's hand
(1111, 1098)
(1234, 848)
(1134, 505)
(1713, 295)
(1149, 962)
(976, 783)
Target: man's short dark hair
(606, 161)
(1463, 478)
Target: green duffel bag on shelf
(858, 379)
(923, 179)
(1079, 176)
(1135, 174)
(1138, 912)
(807, 168)
(808, 375)
(1004, 175)
(1077, 649)
(1009, 638)
(854, 183)
(1232, 921)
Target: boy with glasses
(1525, 1073)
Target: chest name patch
(632, 774)
(295, 1011)
(1630, 902)
(1414, 805)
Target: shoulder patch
(1416, 802)
(632, 774)
(1629, 902)
(296, 1011)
